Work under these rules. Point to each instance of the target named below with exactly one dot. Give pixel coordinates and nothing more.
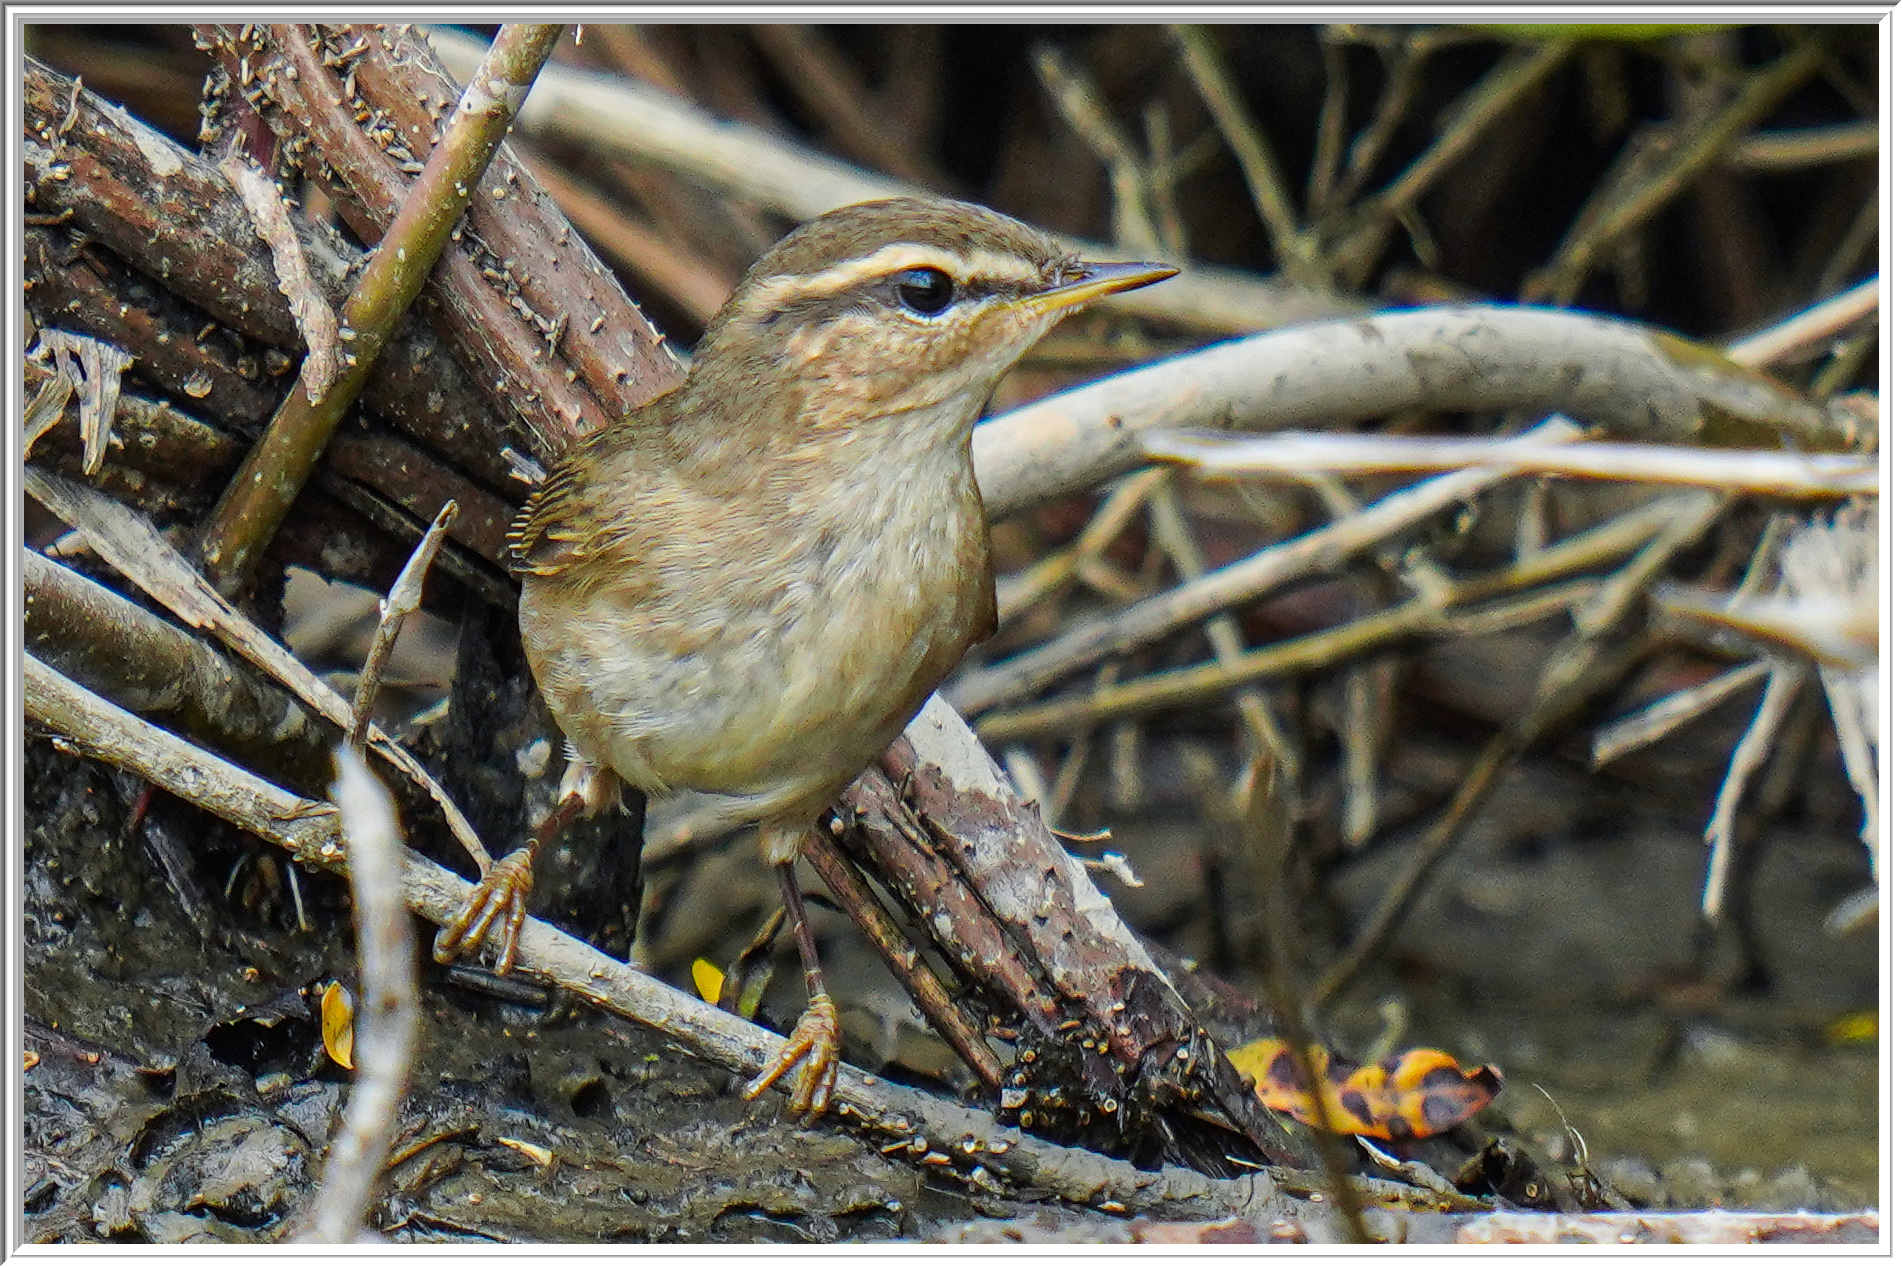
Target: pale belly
(777, 703)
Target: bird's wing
(605, 492)
(558, 527)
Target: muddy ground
(177, 1089)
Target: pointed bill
(1097, 281)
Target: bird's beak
(1097, 281)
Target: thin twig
(1397, 94)
(825, 83)
(1084, 109)
(1161, 172)
(1857, 246)
(1198, 684)
(1245, 580)
(1270, 826)
(1785, 149)
(643, 123)
(1517, 74)
(1644, 181)
(1330, 124)
(388, 1015)
(1583, 663)
(1407, 564)
(1265, 732)
(1803, 333)
(1662, 716)
(309, 309)
(1020, 590)
(1753, 747)
(1365, 692)
(405, 597)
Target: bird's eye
(927, 292)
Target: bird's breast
(773, 648)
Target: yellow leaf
(708, 980)
(1859, 1027)
(339, 1014)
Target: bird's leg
(815, 1039)
(503, 891)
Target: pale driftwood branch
(129, 543)
(388, 1014)
(647, 124)
(1298, 455)
(963, 1144)
(1637, 382)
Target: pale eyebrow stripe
(892, 258)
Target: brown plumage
(747, 587)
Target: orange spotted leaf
(1416, 1094)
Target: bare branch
(1298, 455)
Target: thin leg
(503, 892)
(815, 1038)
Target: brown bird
(748, 586)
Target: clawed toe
(502, 895)
(815, 1040)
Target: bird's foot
(502, 894)
(815, 1040)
